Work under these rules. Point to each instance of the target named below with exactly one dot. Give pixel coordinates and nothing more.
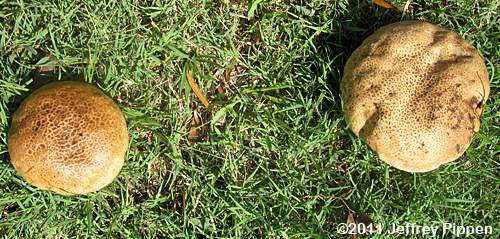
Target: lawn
(272, 156)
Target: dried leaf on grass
(195, 87)
(48, 64)
(351, 224)
(385, 4)
(194, 128)
(359, 225)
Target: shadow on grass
(349, 32)
(44, 75)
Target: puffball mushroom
(68, 137)
(414, 92)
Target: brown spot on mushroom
(474, 102)
(424, 94)
(55, 144)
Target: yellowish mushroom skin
(414, 92)
(68, 137)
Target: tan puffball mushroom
(414, 92)
(68, 137)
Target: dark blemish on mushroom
(437, 37)
(454, 127)
(370, 124)
(479, 105)
(458, 85)
(474, 102)
(457, 148)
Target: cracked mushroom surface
(68, 137)
(414, 92)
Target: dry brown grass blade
(350, 224)
(194, 130)
(360, 224)
(385, 4)
(50, 66)
(195, 87)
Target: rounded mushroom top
(414, 92)
(68, 137)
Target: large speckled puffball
(414, 92)
(68, 137)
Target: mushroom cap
(414, 92)
(68, 137)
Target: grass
(275, 157)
